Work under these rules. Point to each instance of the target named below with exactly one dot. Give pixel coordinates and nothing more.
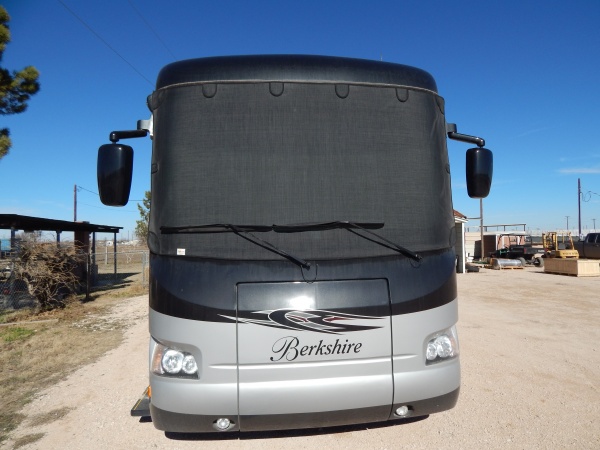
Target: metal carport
(16, 222)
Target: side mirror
(480, 166)
(115, 168)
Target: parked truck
(519, 246)
(589, 247)
(301, 235)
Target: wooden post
(115, 255)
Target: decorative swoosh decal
(308, 320)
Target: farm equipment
(559, 246)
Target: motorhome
(301, 236)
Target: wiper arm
(324, 226)
(268, 246)
(351, 227)
(243, 231)
(215, 228)
(384, 242)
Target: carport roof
(27, 223)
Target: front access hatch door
(314, 354)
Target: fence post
(115, 254)
(87, 278)
(144, 261)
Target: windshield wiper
(243, 231)
(324, 226)
(385, 243)
(351, 227)
(215, 228)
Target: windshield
(245, 232)
(308, 156)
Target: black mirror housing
(480, 167)
(115, 168)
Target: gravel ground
(530, 354)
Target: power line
(104, 42)
(587, 196)
(137, 11)
(107, 208)
(81, 188)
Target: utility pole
(567, 222)
(594, 220)
(579, 203)
(75, 203)
(481, 227)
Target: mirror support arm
(116, 135)
(452, 134)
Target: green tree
(16, 88)
(141, 227)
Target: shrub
(49, 271)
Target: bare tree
(49, 272)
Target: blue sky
(524, 75)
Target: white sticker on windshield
(181, 251)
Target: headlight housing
(443, 346)
(170, 362)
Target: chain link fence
(103, 270)
(108, 268)
(13, 292)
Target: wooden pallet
(572, 267)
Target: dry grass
(43, 348)
(28, 439)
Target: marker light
(443, 346)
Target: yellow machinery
(559, 246)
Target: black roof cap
(293, 68)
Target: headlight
(443, 346)
(174, 363)
(189, 365)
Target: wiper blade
(351, 227)
(385, 242)
(215, 228)
(243, 231)
(268, 246)
(324, 226)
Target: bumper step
(142, 406)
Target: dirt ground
(530, 355)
